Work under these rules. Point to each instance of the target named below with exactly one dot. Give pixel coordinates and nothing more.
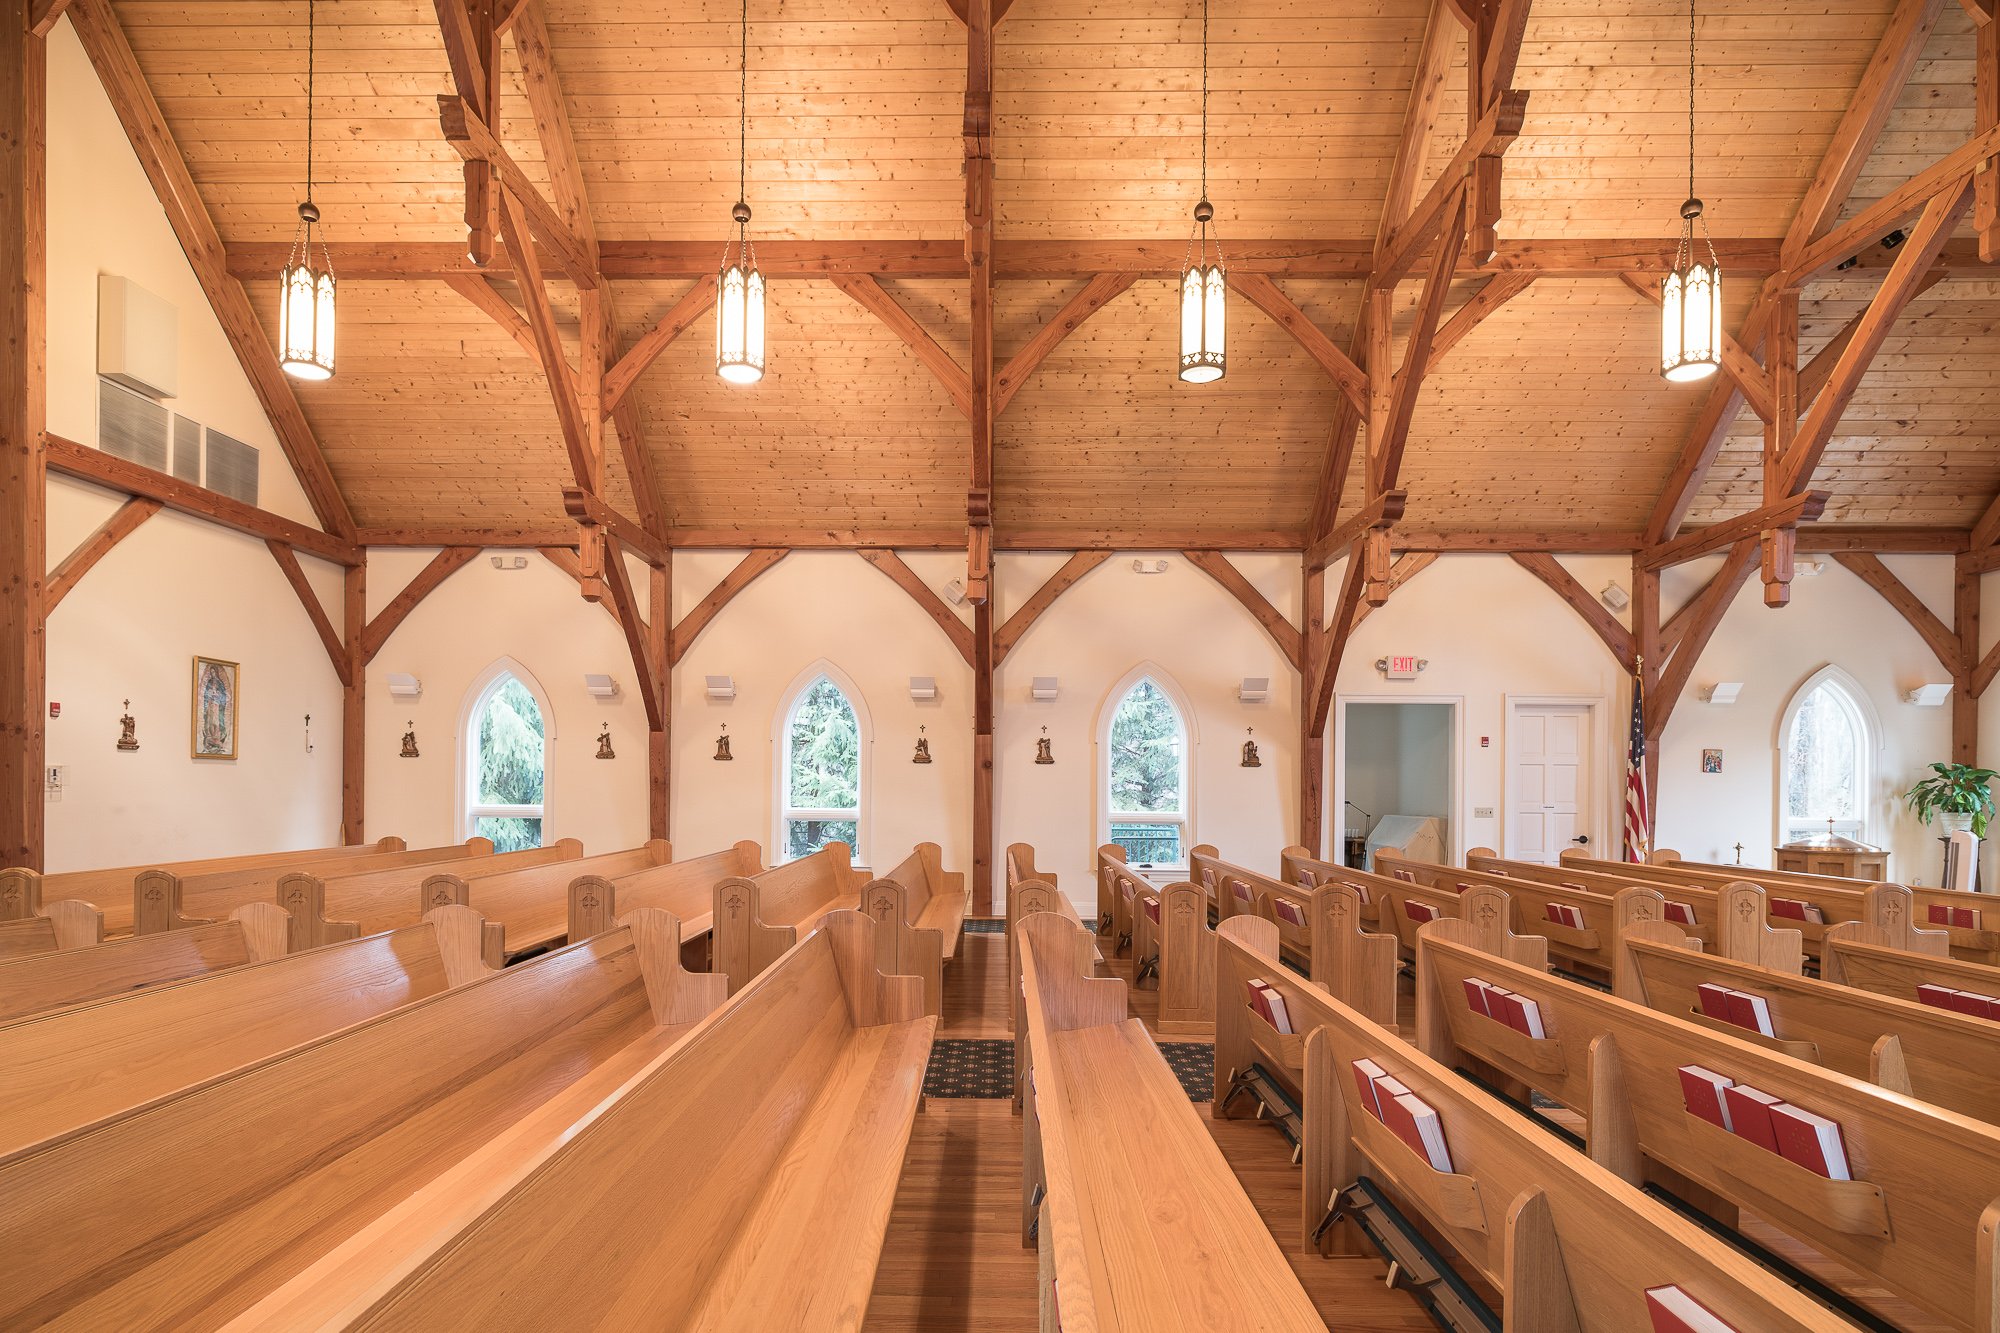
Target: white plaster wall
(477, 616)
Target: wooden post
(982, 759)
(1312, 744)
(1965, 622)
(23, 474)
(659, 741)
(353, 708)
(1646, 644)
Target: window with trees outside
(821, 773)
(506, 767)
(1148, 779)
(1824, 762)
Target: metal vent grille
(232, 467)
(187, 449)
(131, 427)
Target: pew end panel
(20, 893)
(902, 949)
(157, 904)
(1744, 933)
(1640, 914)
(470, 946)
(680, 998)
(304, 896)
(1355, 966)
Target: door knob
(1581, 838)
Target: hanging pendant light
(1691, 295)
(305, 293)
(739, 293)
(1202, 283)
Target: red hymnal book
(1419, 912)
(1971, 1002)
(1937, 997)
(1289, 912)
(1360, 890)
(1260, 999)
(1405, 876)
(1750, 1114)
(1152, 906)
(1680, 913)
(1966, 917)
(1701, 1093)
(1365, 1074)
(1275, 1009)
(1504, 1005)
(1674, 1311)
(1790, 908)
(1531, 1016)
(1751, 1011)
(1475, 996)
(1714, 1000)
(1241, 890)
(1426, 1130)
(1207, 878)
(1812, 1141)
(1309, 879)
(1564, 915)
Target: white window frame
(782, 771)
(1183, 819)
(1862, 828)
(483, 687)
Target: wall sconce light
(1723, 692)
(1254, 689)
(1157, 565)
(1928, 695)
(1043, 689)
(600, 686)
(722, 754)
(923, 754)
(923, 689)
(1043, 755)
(404, 686)
(604, 750)
(410, 742)
(510, 562)
(1614, 596)
(721, 689)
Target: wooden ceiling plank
(1752, 380)
(1380, 512)
(1883, 216)
(1802, 508)
(469, 136)
(1615, 637)
(288, 564)
(1986, 116)
(1933, 631)
(118, 69)
(1058, 583)
(1096, 294)
(94, 465)
(633, 626)
(1498, 291)
(576, 432)
(625, 373)
(480, 291)
(124, 521)
(705, 611)
(899, 573)
(870, 296)
(1217, 566)
(1813, 374)
(1881, 85)
(1941, 215)
(1260, 291)
(442, 566)
(1496, 130)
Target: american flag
(1638, 812)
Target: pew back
(46, 982)
(532, 902)
(756, 919)
(23, 892)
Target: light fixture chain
(312, 15)
(1691, 4)
(743, 108)
(1204, 98)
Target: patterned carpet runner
(985, 1069)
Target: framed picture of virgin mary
(214, 709)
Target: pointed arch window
(506, 764)
(820, 772)
(1825, 753)
(1146, 776)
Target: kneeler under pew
(1568, 1245)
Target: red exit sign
(1401, 667)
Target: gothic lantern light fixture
(1202, 318)
(739, 292)
(305, 291)
(1691, 295)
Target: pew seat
(49, 981)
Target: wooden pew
(43, 982)
(1027, 895)
(1568, 1244)
(187, 1210)
(1947, 1059)
(1116, 907)
(1020, 865)
(743, 1179)
(1921, 1216)
(919, 913)
(1588, 950)
(1888, 953)
(379, 900)
(532, 902)
(755, 919)
(1140, 1222)
(1176, 943)
(1840, 899)
(686, 889)
(64, 924)
(86, 1063)
(24, 893)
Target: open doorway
(1398, 779)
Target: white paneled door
(1549, 788)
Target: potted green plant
(1957, 795)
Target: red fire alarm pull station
(1485, 741)
(55, 709)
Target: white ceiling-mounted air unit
(138, 338)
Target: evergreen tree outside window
(506, 764)
(1824, 760)
(1147, 777)
(821, 773)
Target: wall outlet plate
(1482, 812)
(57, 775)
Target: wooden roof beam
(592, 511)
(1096, 294)
(1941, 639)
(124, 521)
(565, 560)
(618, 581)
(1058, 583)
(329, 637)
(1805, 508)
(1387, 438)
(1614, 636)
(1332, 648)
(705, 611)
(1883, 216)
(1260, 291)
(480, 291)
(1380, 512)
(1711, 604)
(1498, 127)
(1407, 567)
(42, 15)
(625, 373)
(468, 135)
(898, 572)
(870, 296)
(1986, 116)
(1216, 565)
(442, 566)
(104, 41)
(582, 437)
(1498, 291)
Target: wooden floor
(954, 1259)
